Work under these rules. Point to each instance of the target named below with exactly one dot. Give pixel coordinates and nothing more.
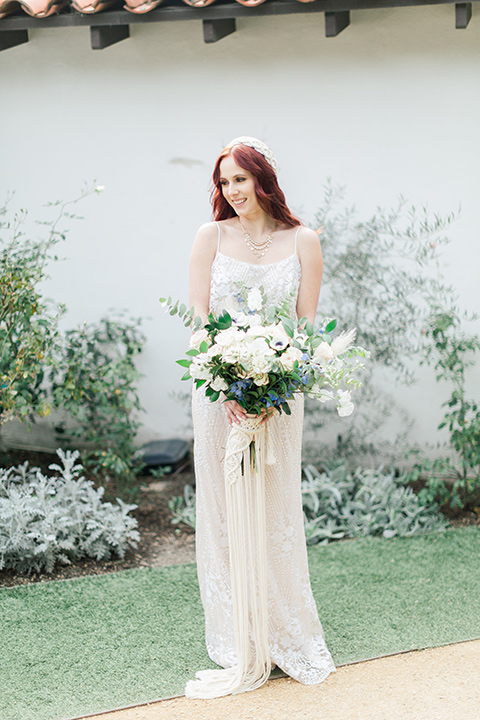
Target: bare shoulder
(207, 232)
(205, 243)
(308, 242)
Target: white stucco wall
(390, 106)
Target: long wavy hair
(269, 195)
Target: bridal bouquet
(261, 357)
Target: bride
(254, 242)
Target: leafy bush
(88, 372)
(95, 381)
(339, 504)
(382, 277)
(28, 321)
(62, 518)
(453, 481)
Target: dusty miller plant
(59, 519)
(338, 504)
(382, 276)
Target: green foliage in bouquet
(261, 356)
(59, 519)
(453, 481)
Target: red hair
(269, 195)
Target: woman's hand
(235, 413)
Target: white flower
(254, 320)
(239, 318)
(198, 337)
(226, 338)
(343, 342)
(344, 403)
(257, 330)
(280, 339)
(254, 299)
(218, 384)
(323, 352)
(199, 372)
(261, 379)
(287, 359)
(99, 188)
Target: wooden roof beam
(11, 38)
(102, 36)
(463, 15)
(335, 22)
(215, 30)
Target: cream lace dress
(295, 635)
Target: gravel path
(436, 684)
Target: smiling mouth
(239, 202)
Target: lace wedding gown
(295, 636)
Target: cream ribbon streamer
(245, 459)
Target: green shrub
(454, 480)
(58, 519)
(381, 276)
(95, 382)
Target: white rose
(254, 299)
(257, 330)
(219, 384)
(199, 372)
(198, 337)
(226, 338)
(261, 379)
(287, 359)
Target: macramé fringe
(245, 459)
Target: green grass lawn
(90, 644)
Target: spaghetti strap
(296, 235)
(219, 233)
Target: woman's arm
(201, 259)
(311, 261)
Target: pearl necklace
(258, 248)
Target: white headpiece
(257, 145)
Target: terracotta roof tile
(35, 8)
(45, 8)
(141, 6)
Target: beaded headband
(257, 145)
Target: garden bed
(161, 542)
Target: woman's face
(238, 187)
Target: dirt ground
(435, 684)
